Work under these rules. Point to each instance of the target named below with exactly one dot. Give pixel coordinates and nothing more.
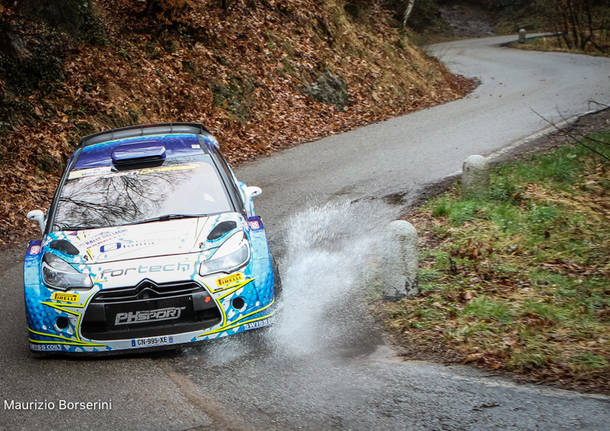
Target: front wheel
(277, 280)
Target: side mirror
(37, 215)
(252, 192)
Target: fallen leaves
(156, 71)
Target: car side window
(231, 178)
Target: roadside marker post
(400, 261)
(475, 176)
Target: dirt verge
(516, 282)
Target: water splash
(327, 250)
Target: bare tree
(579, 23)
(408, 9)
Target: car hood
(144, 240)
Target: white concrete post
(475, 176)
(400, 260)
(522, 35)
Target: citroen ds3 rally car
(150, 241)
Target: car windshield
(103, 197)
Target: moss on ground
(519, 279)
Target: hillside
(262, 75)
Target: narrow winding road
(325, 366)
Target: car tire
(277, 280)
(39, 355)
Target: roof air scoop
(138, 154)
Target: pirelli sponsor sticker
(230, 279)
(65, 297)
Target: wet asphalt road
(346, 378)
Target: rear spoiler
(145, 130)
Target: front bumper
(110, 320)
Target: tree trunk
(408, 9)
(589, 19)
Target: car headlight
(232, 254)
(59, 274)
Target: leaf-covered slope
(262, 75)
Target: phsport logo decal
(144, 316)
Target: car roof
(179, 139)
(146, 130)
(176, 145)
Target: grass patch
(590, 361)
(519, 279)
(488, 309)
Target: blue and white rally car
(150, 241)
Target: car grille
(149, 309)
(147, 289)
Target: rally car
(150, 242)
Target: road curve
(403, 154)
(326, 366)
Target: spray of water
(328, 249)
(328, 252)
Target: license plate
(152, 341)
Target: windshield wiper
(166, 217)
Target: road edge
(513, 150)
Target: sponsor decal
(114, 246)
(255, 223)
(34, 250)
(182, 167)
(233, 278)
(145, 269)
(259, 323)
(88, 172)
(110, 247)
(101, 237)
(45, 347)
(144, 316)
(65, 297)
